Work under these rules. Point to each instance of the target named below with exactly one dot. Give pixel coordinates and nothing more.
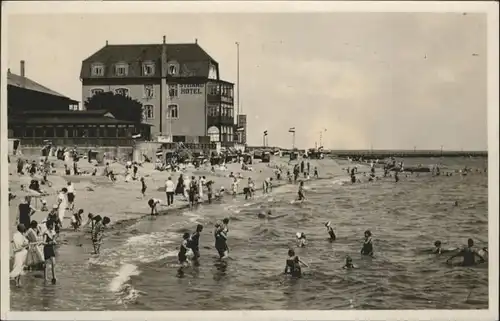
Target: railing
(224, 120)
(78, 141)
(191, 146)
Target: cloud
(391, 80)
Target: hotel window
(149, 91)
(121, 91)
(96, 91)
(121, 69)
(173, 90)
(97, 70)
(172, 69)
(148, 112)
(173, 112)
(213, 111)
(148, 69)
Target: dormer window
(172, 69)
(148, 69)
(97, 70)
(121, 69)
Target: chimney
(22, 69)
(196, 40)
(164, 39)
(8, 71)
(106, 42)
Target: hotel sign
(191, 89)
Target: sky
(363, 80)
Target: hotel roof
(193, 60)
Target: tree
(122, 107)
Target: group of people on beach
(34, 245)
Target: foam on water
(122, 276)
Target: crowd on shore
(34, 243)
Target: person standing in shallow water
(367, 248)
(144, 187)
(194, 244)
(49, 241)
(98, 232)
(20, 248)
(182, 255)
(292, 266)
(330, 231)
(469, 254)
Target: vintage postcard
(287, 160)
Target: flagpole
(293, 140)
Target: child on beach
(330, 231)
(300, 193)
(144, 187)
(153, 204)
(234, 187)
(209, 185)
(76, 220)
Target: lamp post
(238, 77)
(321, 137)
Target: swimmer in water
(330, 231)
(348, 263)
(301, 239)
(292, 266)
(367, 248)
(469, 254)
(437, 249)
(269, 215)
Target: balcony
(220, 120)
(218, 98)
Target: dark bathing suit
(182, 252)
(469, 256)
(367, 247)
(221, 241)
(24, 214)
(195, 244)
(293, 267)
(48, 249)
(331, 233)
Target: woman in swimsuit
(367, 244)
(292, 266)
(221, 238)
(98, 232)
(49, 241)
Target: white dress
(62, 206)
(200, 189)
(20, 253)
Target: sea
(137, 268)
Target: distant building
(242, 125)
(178, 86)
(37, 114)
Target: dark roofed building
(25, 94)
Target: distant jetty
(381, 154)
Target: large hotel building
(178, 85)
